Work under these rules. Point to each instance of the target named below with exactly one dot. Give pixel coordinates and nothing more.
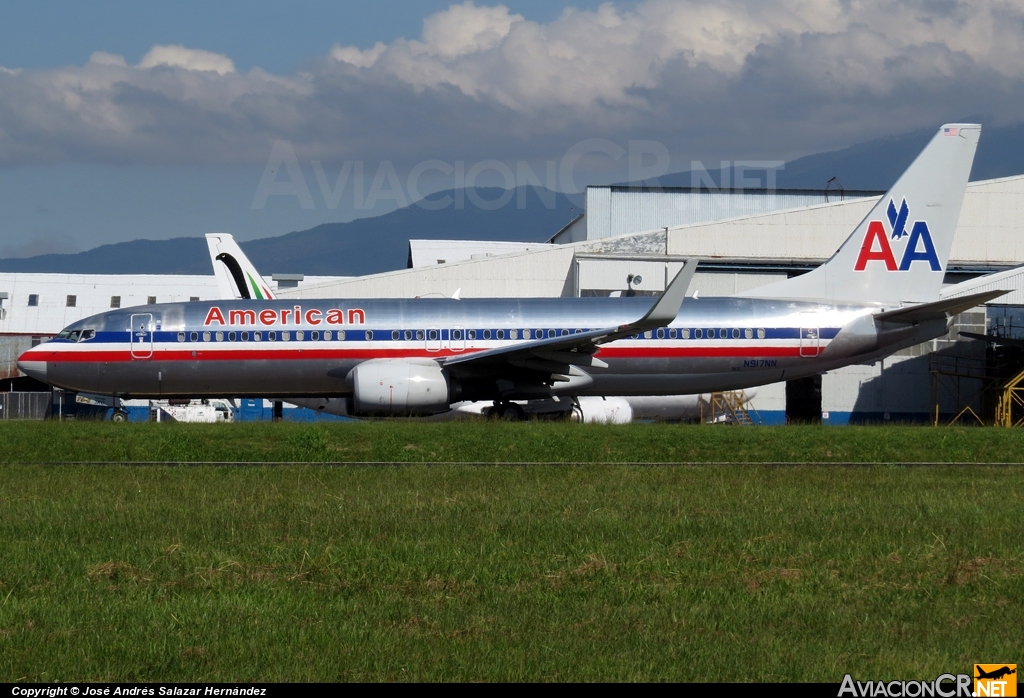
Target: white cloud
(706, 77)
(187, 58)
(104, 58)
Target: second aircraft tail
(236, 276)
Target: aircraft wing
(937, 310)
(555, 355)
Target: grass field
(498, 442)
(546, 572)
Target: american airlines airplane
(237, 278)
(879, 293)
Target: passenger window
(314, 335)
(513, 334)
(432, 335)
(245, 336)
(760, 333)
(685, 333)
(698, 333)
(408, 335)
(748, 333)
(661, 333)
(487, 334)
(456, 334)
(257, 336)
(286, 336)
(735, 334)
(181, 336)
(231, 336)
(272, 336)
(327, 334)
(500, 334)
(419, 335)
(220, 336)
(299, 335)
(206, 336)
(672, 334)
(341, 335)
(551, 333)
(565, 333)
(647, 334)
(396, 335)
(194, 337)
(369, 335)
(471, 334)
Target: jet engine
(399, 387)
(603, 410)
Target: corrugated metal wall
(11, 347)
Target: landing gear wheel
(119, 416)
(510, 412)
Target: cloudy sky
(120, 120)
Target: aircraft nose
(32, 367)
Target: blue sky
(124, 120)
(277, 36)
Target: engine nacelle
(399, 386)
(604, 410)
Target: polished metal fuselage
(283, 348)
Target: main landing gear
(508, 411)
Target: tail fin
(236, 276)
(900, 251)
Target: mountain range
(380, 243)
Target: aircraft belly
(255, 378)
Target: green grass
(546, 572)
(489, 442)
(597, 572)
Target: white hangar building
(633, 240)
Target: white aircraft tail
(236, 276)
(898, 253)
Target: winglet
(667, 307)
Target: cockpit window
(76, 335)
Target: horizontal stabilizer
(937, 310)
(993, 339)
